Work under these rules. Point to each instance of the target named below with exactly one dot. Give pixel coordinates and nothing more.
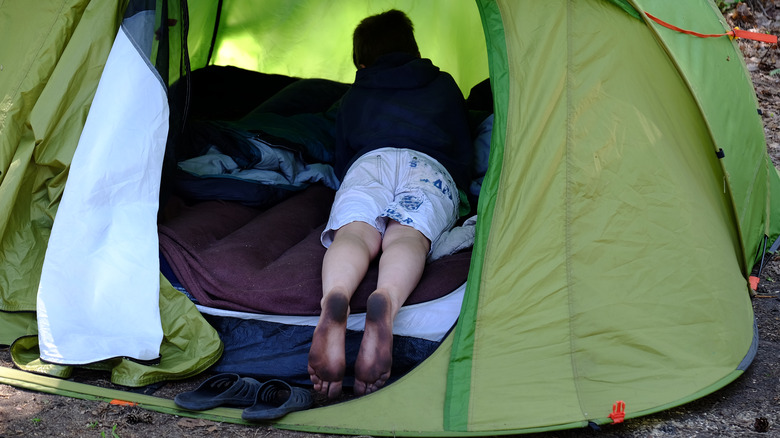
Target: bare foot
(326, 356)
(375, 358)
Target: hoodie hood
(398, 71)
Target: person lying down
(403, 149)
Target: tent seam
(567, 202)
(468, 336)
(481, 297)
(141, 54)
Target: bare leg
(400, 267)
(344, 266)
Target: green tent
(627, 196)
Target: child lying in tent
(403, 148)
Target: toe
(333, 390)
(359, 388)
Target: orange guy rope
(735, 33)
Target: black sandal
(223, 389)
(276, 399)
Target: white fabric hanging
(99, 292)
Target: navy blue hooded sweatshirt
(403, 101)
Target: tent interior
(253, 79)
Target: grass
(113, 433)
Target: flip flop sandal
(223, 389)
(275, 399)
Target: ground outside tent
(750, 406)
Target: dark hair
(377, 35)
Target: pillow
(227, 92)
(304, 96)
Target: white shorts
(399, 184)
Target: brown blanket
(235, 257)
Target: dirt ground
(750, 406)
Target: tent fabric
(101, 249)
(294, 44)
(180, 357)
(62, 51)
(705, 66)
(58, 54)
(84, 391)
(612, 246)
(613, 182)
